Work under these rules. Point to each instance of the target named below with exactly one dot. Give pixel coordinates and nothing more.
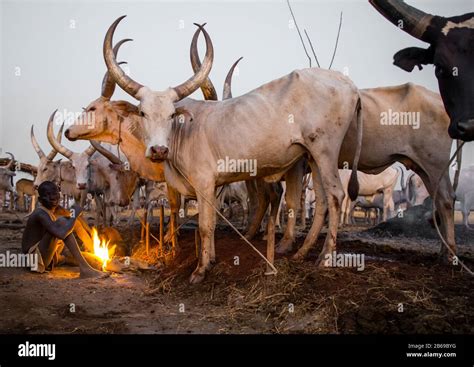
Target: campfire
(102, 248)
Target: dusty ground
(240, 299)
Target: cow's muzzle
(81, 186)
(462, 130)
(69, 135)
(158, 153)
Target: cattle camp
(277, 167)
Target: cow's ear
(410, 57)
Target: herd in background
(132, 162)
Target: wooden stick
(147, 236)
(173, 234)
(162, 221)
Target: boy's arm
(60, 211)
(83, 231)
(57, 230)
(81, 228)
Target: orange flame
(101, 248)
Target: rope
(434, 211)
(275, 271)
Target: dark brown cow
(451, 51)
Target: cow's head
(48, 170)
(156, 108)
(125, 182)
(80, 161)
(451, 51)
(101, 119)
(120, 179)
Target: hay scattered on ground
(303, 298)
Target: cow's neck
(133, 147)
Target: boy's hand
(76, 210)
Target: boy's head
(48, 194)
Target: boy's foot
(92, 273)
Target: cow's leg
(135, 204)
(469, 203)
(332, 186)
(263, 202)
(252, 196)
(294, 185)
(345, 210)
(388, 204)
(174, 199)
(444, 207)
(207, 220)
(351, 213)
(245, 209)
(280, 221)
(33, 203)
(319, 214)
(465, 214)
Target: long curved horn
(90, 150)
(108, 83)
(414, 21)
(227, 93)
(107, 154)
(38, 149)
(207, 88)
(117, 74)
(59, 137)
(35, 144)
(55, 143)
(189, 86)
(12, 159)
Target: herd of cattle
(298, 130)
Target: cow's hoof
(284, 247)
(298, 257)
(323, 263)
(445, 259)
(197, 277)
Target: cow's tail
(410, 188)
(353, 188)
(403, 183)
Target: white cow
(370, 185)
(319, 106)
(465, 193)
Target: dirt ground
(403, 290)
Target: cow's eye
(91, 109)
(142, 114)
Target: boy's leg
(47, 247)
(86, 270)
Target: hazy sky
(51, 51)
